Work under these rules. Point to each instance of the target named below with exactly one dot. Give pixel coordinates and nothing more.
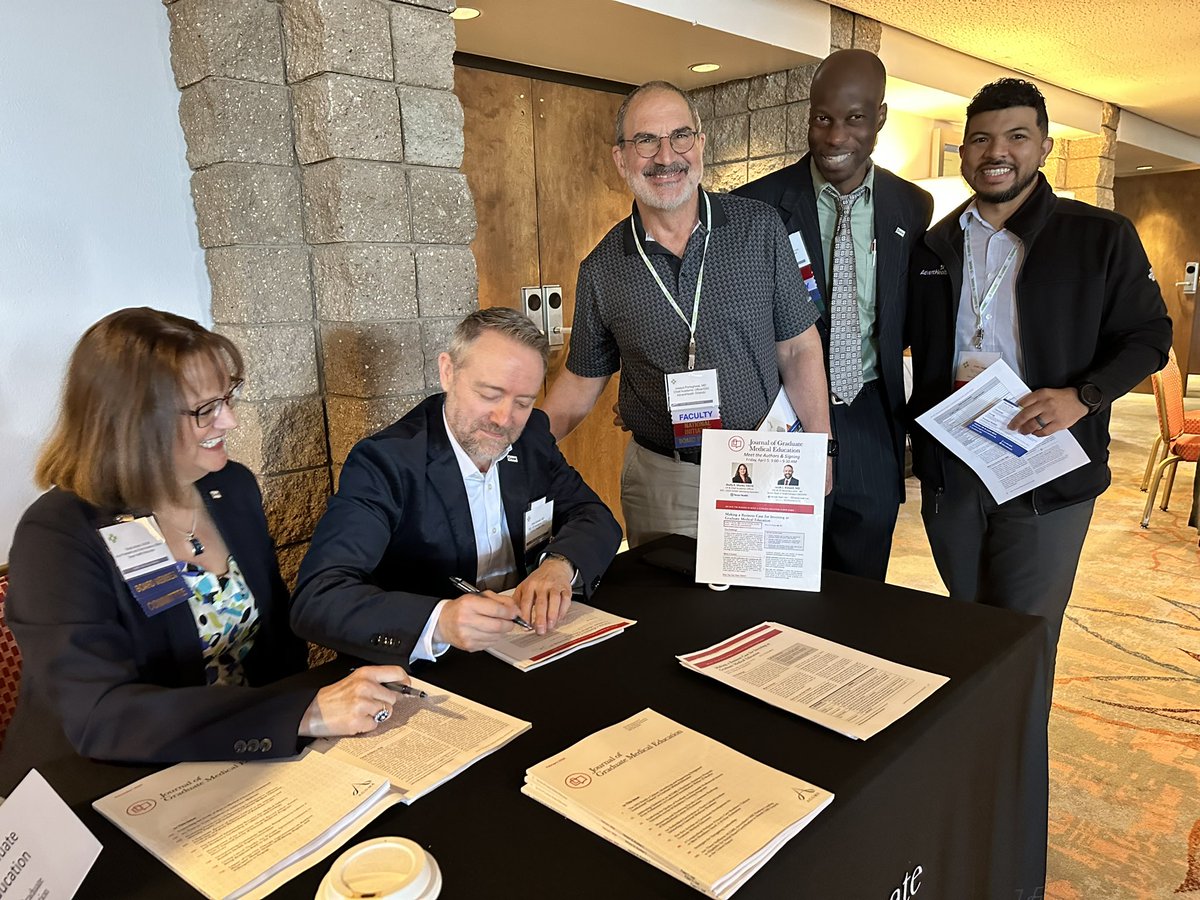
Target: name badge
(146, 564)
(538, 522)
(804, 262)
(970, 364)
(693, 401)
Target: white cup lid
(387, 868)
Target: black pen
(406, 689)
(467, 588)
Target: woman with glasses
(144, 590)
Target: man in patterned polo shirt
(697, 288)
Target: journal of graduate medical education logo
(578, 780)
(141, 807)
(737, 443)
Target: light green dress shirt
(862, 227)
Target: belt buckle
(834, 400)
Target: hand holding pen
(467, 588)
(477, 619)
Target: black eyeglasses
(646, 145)
(206, 413)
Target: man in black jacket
(469, 484)
(1062, 292)
(885, 222)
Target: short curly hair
(1007, 93)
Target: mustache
(674, 168)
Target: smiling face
(490, 393)
(846, 113)
(201, 450)
(787, 471)
(1001, 153)
(668, 179)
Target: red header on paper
(803, 509)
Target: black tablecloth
(952, 797)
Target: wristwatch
(832, 449)
(1090, 396)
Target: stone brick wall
(757, 125)
(326, 141)
(1088, 166)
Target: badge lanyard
(699, 282)
(979, 305)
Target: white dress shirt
(989, 250)
(496, 565)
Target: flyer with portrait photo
(762, 509)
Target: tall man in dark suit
(468, 484)
(855, 224)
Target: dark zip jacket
(1088, 310)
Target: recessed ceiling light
(1144, 168)
(462, 13)
(702, 68)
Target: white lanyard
(699, 282)
(979, 304)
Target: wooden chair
(1176, 443)
(10, 663)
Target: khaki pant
(659, 495)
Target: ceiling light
(462, 13)
(704, 68)
(1144, 168)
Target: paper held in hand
(242, 829)
(972, 423)
(762, 509)
(582, 626)
(682, 802)
(852, 693)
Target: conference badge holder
(693, 401)
(146, 564)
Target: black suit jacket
(102, 679)
(902, 214)
(400, 525)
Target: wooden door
(538, 159)
(580, 197)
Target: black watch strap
(1090, 396)
(832, 449)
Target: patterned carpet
(1125, 727)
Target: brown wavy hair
(114, 442)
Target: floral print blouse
(226, 620)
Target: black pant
(860, 514)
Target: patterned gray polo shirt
(752, 297)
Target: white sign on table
(762, 509)
(45, 851)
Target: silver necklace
(190, 534)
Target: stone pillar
(1089, 165)
(325, 140)
(757, 125)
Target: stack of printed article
(242, 829)
(581, 627)
(850, 692)
(684, 803)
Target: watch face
(1090, 395)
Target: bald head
(859, 67)
(846, 112)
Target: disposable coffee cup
(387, 868)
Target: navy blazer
(902, 214)
(400, 525)
(102, 679)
